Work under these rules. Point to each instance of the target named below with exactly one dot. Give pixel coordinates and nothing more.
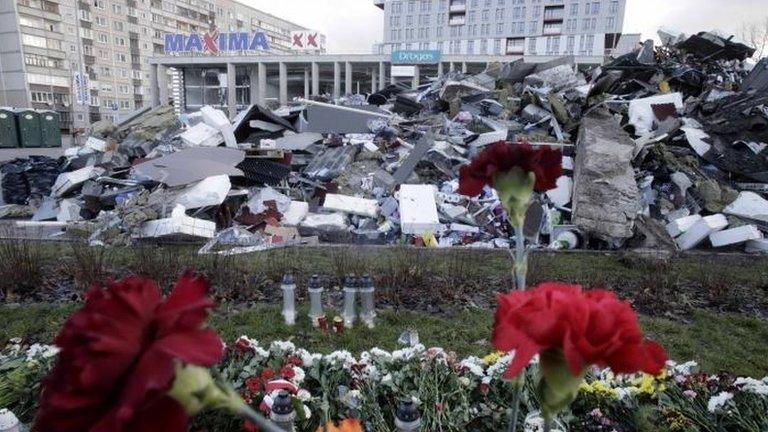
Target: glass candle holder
(315, 290)
(367, 299)
(289, 299)
(282, 413)
(408, 418)
(350, 293)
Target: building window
(470, 47)
(609, 23)
(614, 8)
(570, 44)
(596, 8)
(574, 9)
(532, 45)
(497, 46)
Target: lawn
(718, 341)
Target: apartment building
(89, 59)
(503, 27)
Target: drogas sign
(215, 42)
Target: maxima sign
(416, 57)
(214, 42)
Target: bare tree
(755, 34)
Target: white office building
(504, 27)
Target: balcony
(457, 20)
(556, 13)
(458, 6)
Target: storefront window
(208, 86)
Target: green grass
(719, 342)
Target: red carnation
(294, 360)
(544, 162)
(253, 384)
(267, 374)
(118, 356)
(249, 427)
(287, 372)
(243, 345)
(592, 327)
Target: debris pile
(664, 148)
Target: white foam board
(351, 205)
(701, 230)
(418, 209)
(734, 236)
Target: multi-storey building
(503, 27)
(48, 47)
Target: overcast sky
(353, 26)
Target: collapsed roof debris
(664, 148)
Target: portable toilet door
(50, 122)
(30, 130)
(9, 131)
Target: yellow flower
(650, 386)
(599, 388)
(493, 357)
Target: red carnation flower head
(294, 360)
(571, 329)
(515, 171)
(267, 374)
(243, 345)
(544, 162)
(254, 384)
(592, 327)
(118, 357)
(287, 372)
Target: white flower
(371, 373)
(686, 368)
(752, 385)
(283, 346)
(299, 375)
(307, 412)
(473, 365)
(464, 381)
(308, 359)
(44, 351)
(717, 402)
(386, 379)
(303, 395)
(500, 366)
(408, 353)
(380, 354)
(341, 358)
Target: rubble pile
(664, 148)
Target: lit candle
(282, 412)
(315, 299)
(350, 291)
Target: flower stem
(262, 423)
(515, 411)
(521, 258)
(547, 424)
